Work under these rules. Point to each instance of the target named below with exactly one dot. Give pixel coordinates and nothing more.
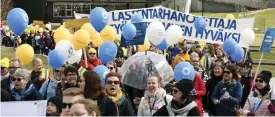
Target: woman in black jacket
(93, 89)
(216, 76)
(245, 81)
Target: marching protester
(153, 98)
(49, 87)
(36, 75)
(92, 61)
(72, 76)
(54, 106)
(182, 103)
(114, 92)
(7, 83)
(216, 76)
(70, 96)
(23, 89)
(181, 56)
(246, 80)
(259, 102)
(227, 93)
(93, 89)
(85, 107)
(220, 55)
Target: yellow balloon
(88, 27)
(81, 39)
(145, 46)
(230, 16)
(32, 28)
(62, 26)
(96, 40)
(61, 34)
(25, 53)
(27, 31)
(108, 33)
(40, 30)
(36, 27)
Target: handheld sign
(139, 38)
(268, 40)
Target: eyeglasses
(111, 82)
(246, 66)
(259, 80)
(111, 68)
(227, 72)
(71, 75)
(59, 71)
(14, 67)
(17, 79)
(91, 53)
(64, 105)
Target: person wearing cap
(263, 107)
(92, 61)
(54, 106)
(227, 94)
(182, 103)
(4, 68)
(245, 80)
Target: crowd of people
(220, 87)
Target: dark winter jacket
(245, 81)
(30, 93)
(107, 107)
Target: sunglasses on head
(259, 80)
(91, 53)
(111, 82)
(64, 105)
(227, 72)
(16, 79)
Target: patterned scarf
(118, 98)
(21, 96)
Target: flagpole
(257, 70)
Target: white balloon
(76, 57)
(173, 34)
(49, 26)
(66, 47)
(155, 32)
(247, 36)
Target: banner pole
(85, 58)
(257, 70)
(246, 54)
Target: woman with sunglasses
(115, 93)
(49, 88)
(112, 66)
(263, 105)
(153, 97)
(92, 61)
(227, 94)
(246, 80)
(23, 89)
(93, 89)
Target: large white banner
(217, 29)
(24, 108)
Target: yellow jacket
(179, 58)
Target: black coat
(5, 96)
(126, 108)
(107, 107)
(5, 84)
(245, 81)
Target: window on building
(62, 10)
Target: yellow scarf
(118, 98)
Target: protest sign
(268, 40)
(217, 29)
(18, 108)
(139, 38)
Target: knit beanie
(185, 86)
(57, 102)
(265, 76)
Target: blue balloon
(238, 54)
(163, 45)
(107, 51)
(200, 24)
(17, 20)
(98, 18)
(137, 17)
(129, 31)
(56, 58)
(184, 70)
(229, 46)
(102, 71)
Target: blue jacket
(30, 93)
(227, 107)
(48, 87)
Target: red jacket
(91, 63)
(200, 89)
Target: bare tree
(6, 6)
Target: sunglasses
(2, 68)
(64, 105)
(227, 72)
(91, 53)
(17, 79)
(111, 82)
(111, 68)
(259, 80)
